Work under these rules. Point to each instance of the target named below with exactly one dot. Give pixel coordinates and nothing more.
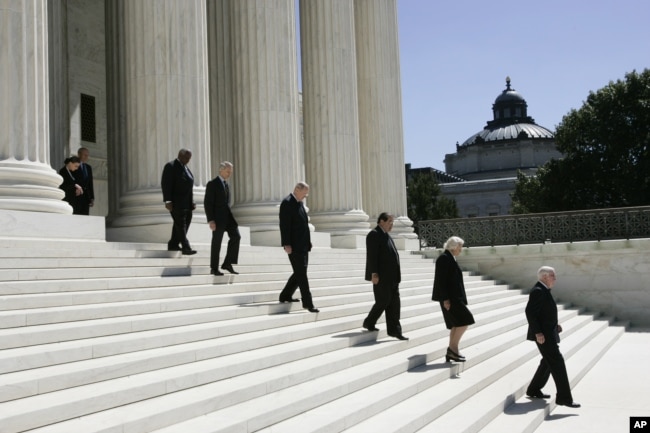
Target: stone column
(221, 89)
(161, 102)
(331, 123)
(27, 182)
(267, 155)
(59, 96)
(380, 112)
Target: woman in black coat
(70, 186)
(449, 290)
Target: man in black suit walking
(177, 187)
(383, 269)
(84, 176)
(296, 241)
(221, 220)
(543, 328)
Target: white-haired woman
(449, 290)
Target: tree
(424, 201)
(606, 144)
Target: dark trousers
(386, 300)
(82, 207)
(232, 251)
(182, 219)
(552, 363)
(298, 280)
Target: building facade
(488, 161)
(136, 80)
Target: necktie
(225, 186)
(83, 170)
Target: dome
(509, 132)
(509, 95)
(510, 121)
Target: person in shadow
(70, 183)
(84, 177)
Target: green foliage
(606, 144)
(424, 201)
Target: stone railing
(574, 226)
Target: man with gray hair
(296, 241)
(544, 330)
(221, 220)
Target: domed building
(488, 161)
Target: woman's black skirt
(457, 316)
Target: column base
(403, 228)
(354, 222)
(353, 242)
(24, 224)
(405, 244)
(272, 239)
(31, 187)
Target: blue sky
(455, 56)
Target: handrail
(571, 226)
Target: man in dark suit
(84, 176)
(383, 269)
(296, 241)
(543, 328)
(221, 220)
(177, 187)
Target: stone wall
(611, 277)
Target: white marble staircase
(116, 337)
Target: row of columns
(221, 78)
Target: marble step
(78, 372)
(174, 276)
(534, 411)
(373, 361)
(384, 381)
(430, 409)
(27, 308)
(264, 314)
(357, 411)
(31, 357)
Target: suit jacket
(294, 225)
(382, 257)
(216, 204)
(448, 280)
(68, 186)
(541, 312)
(177, 185)
(85, 180)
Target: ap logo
(639, 424)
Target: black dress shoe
(572, 404)
(188, 251)
(398, 336)
(283, 301)
(453, 354)
(313, 310)
(173, 248)
(216, 273)
(371, 328)
(229, 268)
(537, 394)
